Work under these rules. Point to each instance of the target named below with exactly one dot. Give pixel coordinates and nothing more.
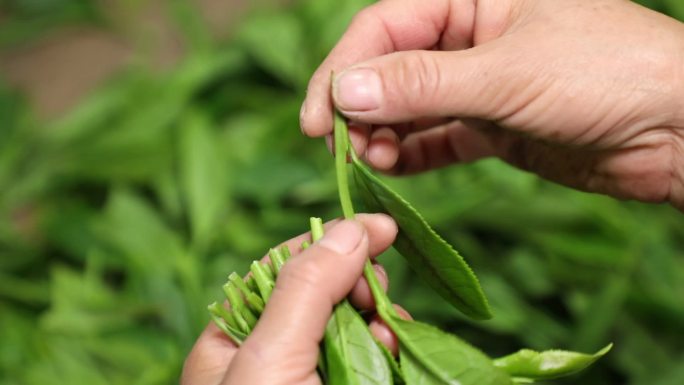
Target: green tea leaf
(203, 176)
(397, 375)
(271, 38)
(548, 364)
(426, 252)
(596, 322)
(352, 355)
(429, 356)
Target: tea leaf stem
(316, 228)
(342, 150)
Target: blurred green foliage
(121, 221)
(29, 19)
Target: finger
(381, 230)
(420, 124)
(457, 142)
(359, 134)
(361, 297)
(383, 149)
(404, 86)
(209, 358)
(384, 334)
(286, 338)
(382, 28)
(378, 145)
(403, 313)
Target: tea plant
(121, 217)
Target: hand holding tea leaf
(584, 93)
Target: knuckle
(364, 17)
(419, 77)
(654, 178)
(671, 153)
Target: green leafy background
(121, 220)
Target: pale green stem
(342, 148)
(256, 303)
(239, 283)
(277, 260)
(316, 234)
(316, 228)
(341, 151)
(263, 281)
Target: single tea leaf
(428, 254)
(549, 364)
(397, 375)
(352, 355)
(203, 176)
(429, 356)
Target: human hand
(283, 348)
(589, 94)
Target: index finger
(382, 28)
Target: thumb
(404, 86)
(283, 348)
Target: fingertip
(402, 312)
(361, 296)
(384, 334)
(383, 149)
(315, 118)
(378, 222)
(381, 274)
(382, 231)
(387, 223)
(359, 135)
(316, 114)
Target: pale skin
(283, 348)
(587, 93)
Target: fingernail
(358, 90)
(382, 276)
(344, 237)
(402, 312)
